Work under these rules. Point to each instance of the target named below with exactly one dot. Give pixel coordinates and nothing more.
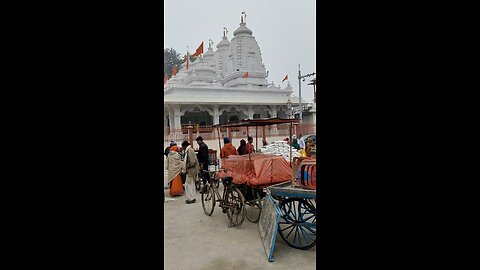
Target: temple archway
(231, 115)
(201, 118)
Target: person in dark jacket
(202, 153)
(242, 149)
(202, 157)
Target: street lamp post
(300, 77)
(289, 108)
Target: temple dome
(209, 53)
(223, 43)
(200, 71)
(243, 29)
(244, 56)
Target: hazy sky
(284, 29)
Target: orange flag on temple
(199, 50)
(286, 78)
(245, 75)
(174, 71)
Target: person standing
(167, 149)
(174, 168)
(308, 148)
(295, 144)
(250, 147)
(264, 142)
(192, 168)
(202, 153)
(242, 149)
(203, 159)
(301, 142)
(227, 149)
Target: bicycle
(232, 201)
(201, 179)
(253, 202)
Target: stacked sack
(280, 148)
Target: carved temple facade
(224, 85)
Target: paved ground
(194, 241)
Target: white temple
(213, 90)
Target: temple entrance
(231, 116)
(197, 117)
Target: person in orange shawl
(174, 167)
(227, 149)
(250, 147)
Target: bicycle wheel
(216, 181)
(208, 200)
(253, 207)
(298, 224)
(236, 203)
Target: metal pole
(300, 93)
(256, 138)
(219, 145)
(263, 133)
(291, 123)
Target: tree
(171, 58)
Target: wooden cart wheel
(208, 200)
(298, 224)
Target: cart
(290, 209)
(255, 194)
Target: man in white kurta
(191, 167)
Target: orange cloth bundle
(261, 171)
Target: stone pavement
(194, 241)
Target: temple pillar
(216, 120)
(170, 119)
(216, 115)
(171, 125)
(250, 112)
(177, 124)
(273, 113)
(165, 120)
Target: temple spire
(244, 17)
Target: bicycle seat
(227, 180)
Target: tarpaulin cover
(262, 170)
